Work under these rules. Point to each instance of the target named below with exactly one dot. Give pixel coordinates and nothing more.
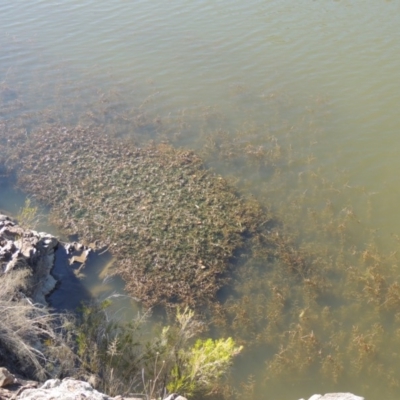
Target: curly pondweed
(173, 225)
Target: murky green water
(297, 103)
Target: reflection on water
(70, 293)
(98, 278)
(93, 280)
(297, 105)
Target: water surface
(313, 87)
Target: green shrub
(202, 366)
(127, 360)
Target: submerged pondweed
(173, 225)
(313, 290)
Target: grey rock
(49, 242)
(335, 396)
(22, 248)
(25, 246)
(7, 249)
(12, 232)
(17, 261)
(175, 396)
(79, 246)
(67, 389)
(6, 378)
(48, 284)
(128, 398)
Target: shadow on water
(70, 293)
(92, 281)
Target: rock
(12, 392)
(175, 396)
(4, 218)
(26, 247)
(49, 242)
(7, 249)
(12, 232)
(6, 378)
(94, 380)
(22, 248)
(127, 398)
(17, 261)
(79, 246)
(67, 389)
(48, 284)
(335, 396)
(80, 257)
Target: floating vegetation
(173, 225)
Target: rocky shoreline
(22, 248)
(27, 249)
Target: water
(77, 283)
(314, 86)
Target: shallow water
(296, 102)
(77, 283)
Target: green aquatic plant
(126, 357)
(28, 216)
(303, 282)
(173, 226)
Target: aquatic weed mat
(327, 304)
(173, 225)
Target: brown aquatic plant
(173, 225)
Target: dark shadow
(70, 292)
